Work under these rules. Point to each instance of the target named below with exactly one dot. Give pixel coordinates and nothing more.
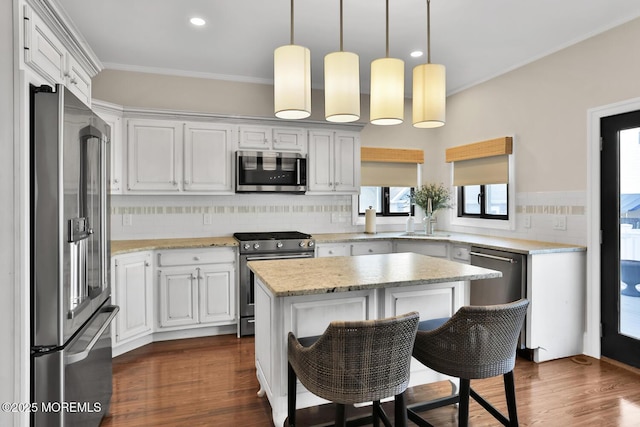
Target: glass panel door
(629, 313)
(620, 231)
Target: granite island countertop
(361, 272)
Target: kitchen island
(304, 295)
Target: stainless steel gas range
(265, 246)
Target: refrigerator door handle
(77, 357)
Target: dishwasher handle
(499, 258)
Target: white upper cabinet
(47, 55)
(153, 155)
(43, 51)
(166, 157)
(113, 116)
(266, 138)
(334, 162)
(77, 80)
(208, 157)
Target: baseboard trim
(621, 365)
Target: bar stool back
(476, 342)
(355, 362)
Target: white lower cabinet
(332, 249)
(357, 248)
(435, 249)
(370, 248)
(461, 253)
(132, 291)
(200, 291)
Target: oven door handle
(276, 257)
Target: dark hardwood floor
(211, 382)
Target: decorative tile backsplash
(143, 217)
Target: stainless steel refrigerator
(71, 308)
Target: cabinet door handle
(196, 258)
(146, 264)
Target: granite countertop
(361, 272)
(125, 246)
(526, 247)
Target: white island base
(304, 296)
(309, 315)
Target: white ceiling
(476, 40)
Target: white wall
(9, 366)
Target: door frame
(593, 301)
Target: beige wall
(543, 104)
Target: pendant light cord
(291, 22)
(387, 28)
(341, 26)
(428, 32)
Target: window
(387, 201)
(489, 201)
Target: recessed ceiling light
(198, 22)
(416, 54)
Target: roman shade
(389, 167)
(481, 163)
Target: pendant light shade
(342, 87)
(341, 84)
(387, 91)
(387, 87)
(429, 95)
(429, 88)
(292, 82)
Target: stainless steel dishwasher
(510, 287)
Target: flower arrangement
(440, 197)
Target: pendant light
(429, 89)
(387, 87)
(341, 84)
(292, 80)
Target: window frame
(483, 213)
(484, 223)
(386, 212)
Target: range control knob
(246, 246)
(256, 245)
(311, 243)
(302, 244)
(279, 245)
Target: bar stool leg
(510, 393)
(291, 396)
(376, 413)
(341, 420)
(463, 405)
(401, 419)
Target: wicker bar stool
(355, 362)
(476, 342)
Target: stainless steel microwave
(270, 172)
